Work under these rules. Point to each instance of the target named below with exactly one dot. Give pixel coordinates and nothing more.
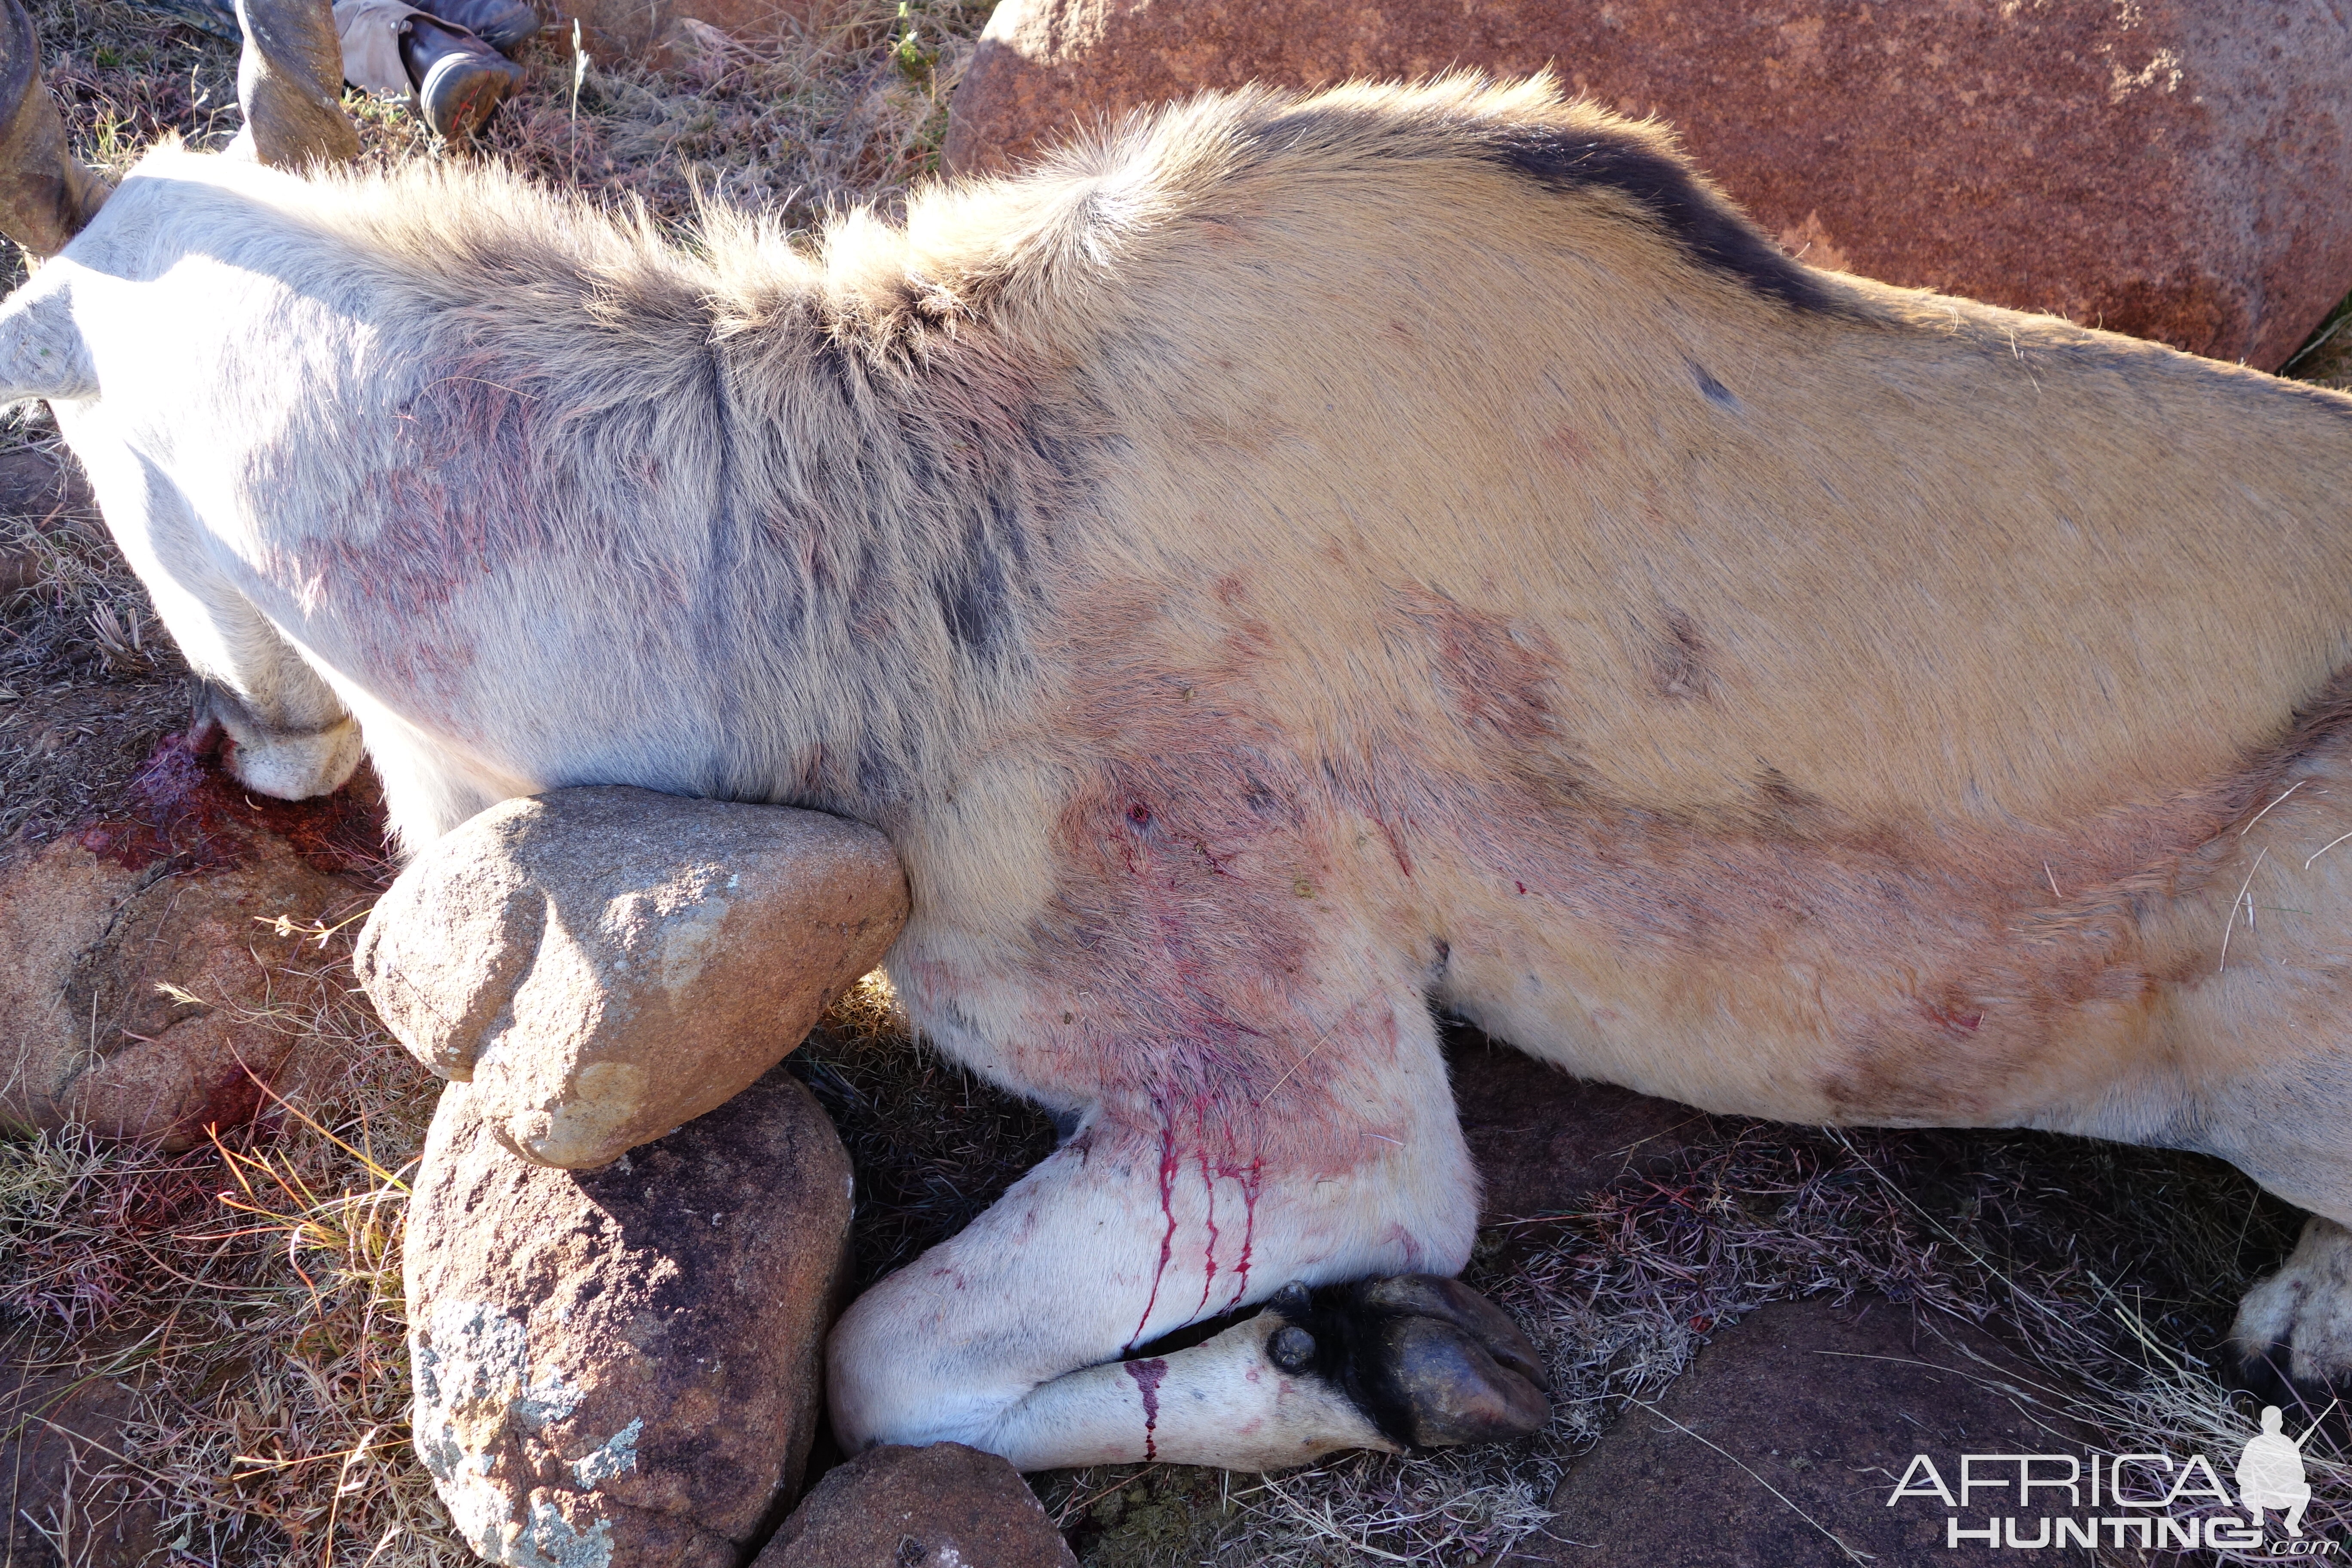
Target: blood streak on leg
(1168, 1237)
(1250, 1176)
(1209, 1253)
(1146, 1375)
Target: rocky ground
(1752, 1329)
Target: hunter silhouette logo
(2126, 1500)
(2269, 1473)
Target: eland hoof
(1429, 1360)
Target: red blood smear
(183, 805)
(1209, 1253)
(1168, 1240)
(1957, 1019)
(1146, 1375)
(1252, 1178)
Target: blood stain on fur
(1252, 1177)
(1146, 1375)
(1168, 1166)
(1209, 1252)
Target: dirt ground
(249, 1293)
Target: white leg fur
(2304, 1310)
(1223, 1403)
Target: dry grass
(250, 1290)
(851, 110)
(845, 108)
(89, 681)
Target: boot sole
(453, 112)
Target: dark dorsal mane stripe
(1698, 220)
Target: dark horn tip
(46, 195)
(288, 82)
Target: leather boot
(459, 79)
(504, 25)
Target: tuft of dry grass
(847, 110)
(249, 1292)
(844, 106)
(126, 77)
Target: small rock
(136, 998)
(605, 964)
(946, 1505)
(47, 485)
(2164, 168)
(58, 1433)
(623, 1366)
(1795, 1427)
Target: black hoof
(1431, 1361)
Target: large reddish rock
(603, 964)
(2168, 168)
(623, 1366)
(1785, 1440)
(154, 963)
(945, 1506)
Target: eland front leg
(1030, 1333)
